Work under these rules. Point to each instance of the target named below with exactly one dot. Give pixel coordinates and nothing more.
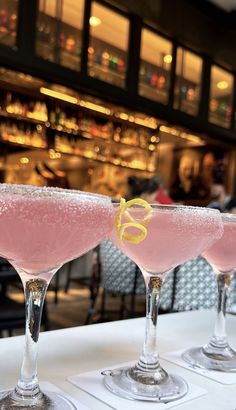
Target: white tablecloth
(70, 351)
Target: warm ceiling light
(95, 107)
(58, 95)
(94, 21)
(222, 85)
(24, 160)
(167, 58)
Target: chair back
(119, 274)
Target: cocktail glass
(217, 354)
(40, 230)
(174, 235)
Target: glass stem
(35, 291)
(219, 338)
(149, 357)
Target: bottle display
(107, 63)
(23, 135)
(186, 96)
(63, 48)
(68, 129)
(154, 82)
(8, 22)
(220, 110)
(36, 110)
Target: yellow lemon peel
(132, 223)
(132, 238)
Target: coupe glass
(174, 235)
(217, 354)
(40, 230)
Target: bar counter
(67, 352)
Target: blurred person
(161, 195)
(219, 198)
(231, 206)
(189, 185)
(145, 188)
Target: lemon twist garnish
(139, 224)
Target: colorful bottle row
(8, 21)
(221, 108)
(89, 127)
(67, 40)
(106, 59)
(34, 110)
(18, 134)
(153, 78)
(103, 153)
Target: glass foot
(221, 359)
(43, 401)
(134, 384)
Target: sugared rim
(227, 217)
(18, 189)
(162, 206)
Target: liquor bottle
(148, 77)
(91, 54)
(190, 94)
(62, 118)
(13, 24)
(3, 20)
(223, 109)
(213, 105)
(120, 65)
(117, 134)
(24, 110)
(47, 34)
(154, 80)
(161, 82)
(7, 101)
(70, 44)
(105, 59)
(183, 92)
(98, 57)
(58, 116)
(228, 112)
(142, 73)
(52, 117)
(113, 61)
(62, 40)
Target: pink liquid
(42, 228)
(222, 255)
(175, 234)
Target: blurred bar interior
(94, 91)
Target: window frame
(232, 125)
(155, 30)
(201, 95)
(123, 13)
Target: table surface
(71, 351)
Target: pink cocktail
(217, 354)
(174, 235)
(40, 230)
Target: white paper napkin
(46, 386)
(220, 377)
(92, 383)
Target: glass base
(49, 401)
(221, 359)
(134, 384)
